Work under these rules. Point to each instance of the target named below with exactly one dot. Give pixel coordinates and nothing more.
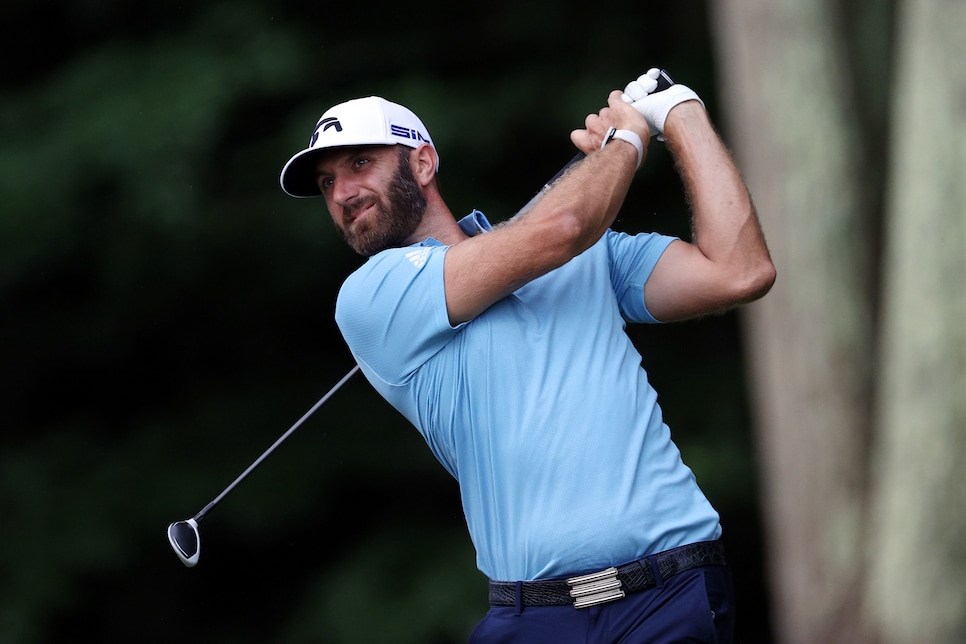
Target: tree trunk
(811, 340)
(917, 589)
(861, 434)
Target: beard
(394, 219)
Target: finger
(592, 122)
(635, 91)
(614, 99)
(646, 82)
(582, 139)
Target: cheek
(332, 209)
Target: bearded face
(394, 217)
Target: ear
(423, 161)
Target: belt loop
(519, 598)
(656, 569)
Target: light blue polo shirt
(539, 406)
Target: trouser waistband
(609, 584)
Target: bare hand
(617, 114)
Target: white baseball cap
(361, 121)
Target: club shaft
(201, 515)
(664, 81)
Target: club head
(185, 541)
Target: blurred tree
(917, 548)
(859, 352)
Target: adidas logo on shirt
(418, 257)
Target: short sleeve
(392, 311)
(633, 258)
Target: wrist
(628, 136)
(685, 116)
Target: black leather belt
(610, 584)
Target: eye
(325, 183)
(360, 161)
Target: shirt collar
(472, 224)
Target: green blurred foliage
(166, 312)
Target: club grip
(663, 81)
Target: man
(504, 346)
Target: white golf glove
(655, 106)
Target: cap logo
(324, 125)
(406, 133)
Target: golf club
(184, 537)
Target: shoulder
(393, 263)
(412, 275)
(391, 311)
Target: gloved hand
(655, 106)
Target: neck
(438, 222)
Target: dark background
(166, 311)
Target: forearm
(725, 225)
(575, 211)
(585, 200)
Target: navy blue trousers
(693, 606)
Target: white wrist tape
(628, 136)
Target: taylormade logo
(418, 257)
(324, 125)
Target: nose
(343, 190)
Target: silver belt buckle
(595, 588)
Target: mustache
(350, 210)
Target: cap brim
(298, 175)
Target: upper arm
(727, 262)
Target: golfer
(505, 347)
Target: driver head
(185, 541)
